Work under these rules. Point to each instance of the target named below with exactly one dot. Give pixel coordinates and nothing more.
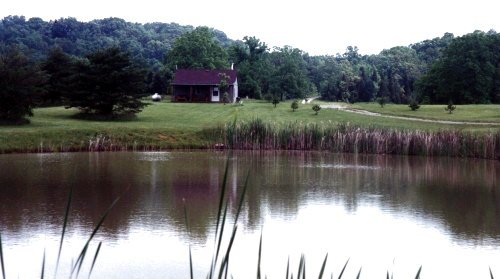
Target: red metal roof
(202, 77)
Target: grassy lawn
(470, 113)
(180, 125)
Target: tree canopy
(197, 49)
(468, 71)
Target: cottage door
(215, 94)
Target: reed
(1, 258)
(345, 138)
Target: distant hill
(147, 43)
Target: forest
(462, 70)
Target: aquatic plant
(345, 138)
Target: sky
(316, 26)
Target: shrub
(414, 105)
(294, 105)
(316, 108)
(450, 107)
(225, 98)
(276, 101)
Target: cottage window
(215, 92)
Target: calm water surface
(385, 213)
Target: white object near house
(156, 97)
(215, 94)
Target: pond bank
(262, 135)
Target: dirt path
(369, 113)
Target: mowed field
(182, 125)
(469, 113)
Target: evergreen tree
(20, 86)
(109, 84)
(60, 69)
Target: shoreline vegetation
(258, 134)
(171, 126)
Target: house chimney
(232, 66)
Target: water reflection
(461, 198)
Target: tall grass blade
(301, 263)
(323, 267)
(95, 258)
(287, 267)
(221, 233)
(242, 198)
(387, 274)
(418, 273)
(491, 273)
(359, 273)
(343, 269)
(1, 258)
(227, 267)
(190, 263)
(260, 256)
(65, 223)
(42, 275)
(81, 262)
(222, 193)
(225, 261)
(97, 227)
(304, 269)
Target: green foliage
(468, 72)
(107, 84)
(450, 107)
(253, 66)
(289, 74)
(316, 109)
(146, 43)
(225, 98)
(60, 69)
(276, 101)
(20, 83)
(197, 49)
(294, 105)
(414, 104)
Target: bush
(316, 109)
(276, 101)
(414, 105)
(225, 98)
(294, 105)
(450, 107)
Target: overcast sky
(315, 26)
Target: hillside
(147, 43)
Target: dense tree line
(146, 43)
(64, 62)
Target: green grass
(469, 113)
(181, 125)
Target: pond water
(384, 213)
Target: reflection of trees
(462, 194)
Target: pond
(383, 213)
